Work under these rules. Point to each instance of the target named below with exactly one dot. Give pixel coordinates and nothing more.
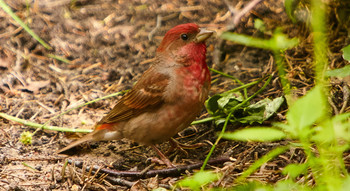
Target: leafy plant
(220, 105)
(198, 180)
(345, 71)
(26, 138)
(309, 123)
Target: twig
(158, 25)
(173, 172)
(246, 9)
(120, 181)
(331, 103)
(346, 95)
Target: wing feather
(144, 96)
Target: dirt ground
(109, 44)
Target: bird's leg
(163, 158)
(174, 144)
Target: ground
(109, 44)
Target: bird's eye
(184, 36)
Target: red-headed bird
(167, 97)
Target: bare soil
(108, 45)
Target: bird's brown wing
(145, 95)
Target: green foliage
(295, 170)
(309, 123)
(290, 186)
(346, 53)
(305, 112)
(279, 41)
(259, 24)
(251, 186)
(198, 180)
(290, 8)
(26, 138)
(220, 105)
(340, 72)
(256, 134)
(279, 186)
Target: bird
(168, 96)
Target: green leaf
(255, 185)
(341, 126)
(279, 41)
(290, 8)
(212, 104)
(340, 72)
(229, 100)
(346, 53)
(26, 138)
(198, 180)
(261, 111)
(295, 170)
(346, 184)
(306, 111)
(256, 134)
(259, 24)
(290, 186)
(220, 121)
(273, 106)
(250, 119)
(283, 126)
(219, 104)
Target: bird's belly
(160, 125)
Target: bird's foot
(157, 160)
(163, 159)
(174, 144)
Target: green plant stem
(318, 24)
(59, 58)
(232, 90)
(329, 170)
(36, 125)
(252, 96)
(228, 118)
(27, 165)
(226, 75)
(205, 120)
(8, 10)
(246, 85)
(281, 72)
(216, 142)
(231, 77)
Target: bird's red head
(185, 42)
(181, 34)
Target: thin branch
(168, 172)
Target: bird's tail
(86, 138)
(96, 135)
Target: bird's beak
(203, 35)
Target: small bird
(166, 98)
